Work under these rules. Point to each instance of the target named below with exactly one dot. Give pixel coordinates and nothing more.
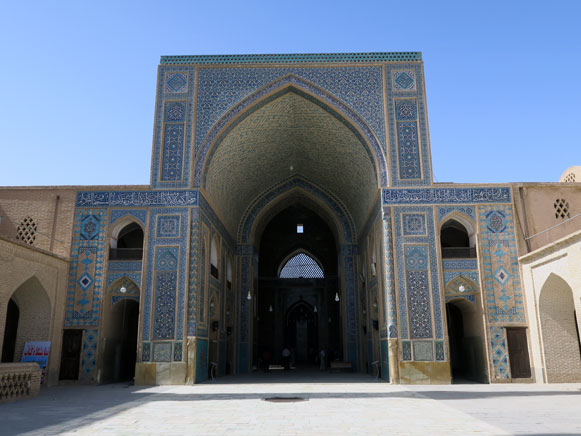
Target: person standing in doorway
(322, 365)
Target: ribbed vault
(290, 135)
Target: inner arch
(290, 135)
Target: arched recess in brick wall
(126, 241)
(560, 336)
(34, 310)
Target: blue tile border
(137, 198)
(438, 196)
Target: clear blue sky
(77, 78)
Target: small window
(214, 258)
(27, 231)
(301, 266)
(229, 274)
(570, 178)
(561, 209)
(300, 228)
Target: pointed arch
(559, 331)
(114, 290)
(313, 265)
(307, 90)
(333, 209)
(126, 239)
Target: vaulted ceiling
(289, 136)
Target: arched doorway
(298, 281)
(126, 242)
(10, 331)
(562, 350)
(120, 331)
(456, 240)
(465, 335)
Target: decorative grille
(301, 266)
(26, 231)
(561, 208)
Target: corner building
(291, 204)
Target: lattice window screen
(561, 208)
(26, 231)
(301, 266)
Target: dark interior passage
(10, 331)
(121, 342)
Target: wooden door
(71, 354)
(518, 352)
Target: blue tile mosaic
(440, 353)
(406, 110)
(385, 360)
(444, 211)
(194, 280)
(177, 351)
(213, 217)
(428, 243)
(501, 279)
(201, 359)
(408, 143)
(139, 214)
(445, 195)
(175, 111)
(86, 268)
(173, 152)
(419, 304)
(168, 226)
(146, 351)
(414, 224)
(404, 80)
(171, 251)
(136, 198)
(113, 276)
(391, 302)
(499, 353)
(406, 349)
(318, 58)
(165, 296)
(124, 265)
(176, 82)
(89, 355)
(460, 264)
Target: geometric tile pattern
(452, 287)
(164, 290)
(416, 261)
(409, 151)
(440, 353)
(278, 59)
(86, 268)
(131, 290)
(406, 349)
(194, 276)
(446, 210)
(501, 279)
(414, 224)
(359, 87)
(404, 80)
(389, 276)
(116, 214)
(406, 110)
(423, 350)
(168, 226)
(499, 353)
(173, 149)
(177, 351)
(418, 290)
(89, 355)
(176, 82)
(407, 123)
(175, 111)
(165, 296)
(146, 351)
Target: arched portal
(31, 304)
(466, 341)
(559, 331)
(120, 331)
(290, 145)
(298, 281)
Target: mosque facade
(292, 205)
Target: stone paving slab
(336, 404)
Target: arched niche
(457, 237)
(126, 241)
(559, 331)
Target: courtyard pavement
(333, 404)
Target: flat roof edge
(304, 58)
